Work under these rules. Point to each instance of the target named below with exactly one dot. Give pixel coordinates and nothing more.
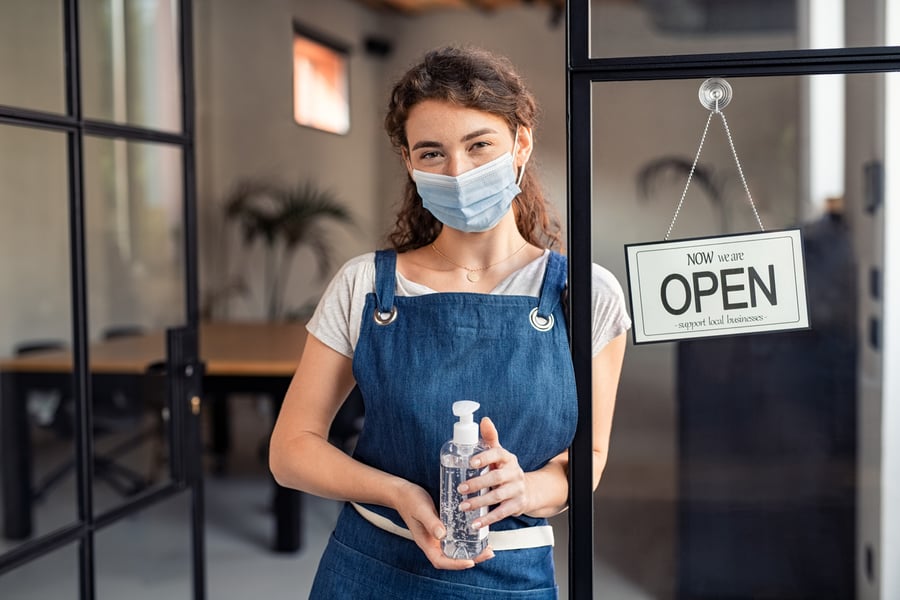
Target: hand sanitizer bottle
(461, 540)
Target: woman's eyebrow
(426, 144)
(465, 138)
(478, 133)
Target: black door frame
(582, 71)
(184, 369)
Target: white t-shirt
(337, 319)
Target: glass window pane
(130, 66)
(32, 67)
(666, 27)
(35, 335)
(135, 234)
(157, 567)
(135, 263)
(32, 580)
(733, 470)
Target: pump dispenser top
(465, 431)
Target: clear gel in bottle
(461, 541)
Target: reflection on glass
(738, 457)
(135, 264)
(54, 575)
(664, 27)
(35, 334)
(31, 55)
(130, 63)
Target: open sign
(726, 285)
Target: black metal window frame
(182, 345)
(581, 71)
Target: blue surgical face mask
(475, 200)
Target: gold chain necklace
(473, 274)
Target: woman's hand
(505, 481)
(417, 510)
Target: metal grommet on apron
(439, 348)
(541, 316)
(540, 323)
(386, 311)
(385, 318)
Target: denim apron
(414, 358)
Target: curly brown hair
(472, 78)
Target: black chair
(120, 331)
(156, 401)
(121, 404)
(44, 399)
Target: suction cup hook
(715, 94)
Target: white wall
(34, 271)
(31, 43)
(246, 130)
(35, 294)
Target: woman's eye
(429, 155)
(480, 145)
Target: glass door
(745, 466)
(99, 370)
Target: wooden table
(243, 349)
(238, 357)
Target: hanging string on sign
(715, 94)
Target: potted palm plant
(284, 218)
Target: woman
(466, 305)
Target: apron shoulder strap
(385, 279)
(555, 277)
